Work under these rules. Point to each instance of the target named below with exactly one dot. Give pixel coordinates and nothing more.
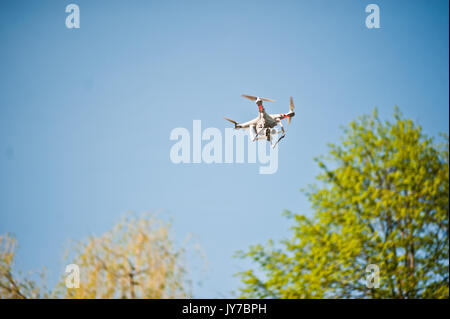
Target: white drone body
(264, 125)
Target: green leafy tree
(382, 198)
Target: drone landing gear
(282, 136)
(257, 135)
(269, 136)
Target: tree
(13, 286)
(136, 259)
(382, 198)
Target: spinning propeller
(232, 121)
(291, 108)
(254, 98)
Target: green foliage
(382, 198)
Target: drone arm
(282, 127)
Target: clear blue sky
(85, 115)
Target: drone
(264, 126)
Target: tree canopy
(14, 284)
(382, 198)
(135, 259)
